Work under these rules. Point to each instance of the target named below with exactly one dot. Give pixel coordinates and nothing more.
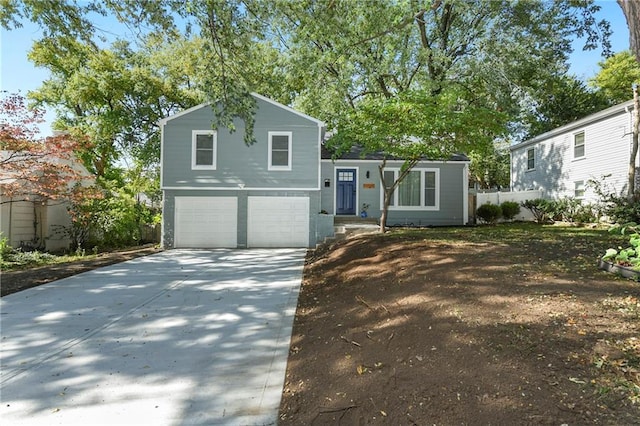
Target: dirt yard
(509, 325)
(506, 325)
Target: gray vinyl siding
(168, 220)
(607, 147)
(451, 208)
(236, 163)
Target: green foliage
(570, 209)
(489, 213)
(541, 209)
(119, 216)
(617, 208)
(560, 99)
(490, 167)
(5, 248)
(18, 259)
(617, 74)
(630, 255)
(510, 209)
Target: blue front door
(346, 191)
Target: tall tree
(559, 100)
(117, 95)
(447, 62)
(631, 10)
(635, 135)
(617, 75)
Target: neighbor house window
(578, 188)
(419, 190)
(578, 145)
(280, 150)
(203, 150)
(531, 159)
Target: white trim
(583, 122)
(335, 188)
(255, 95)
(164, 121)
(286, 108)
(226, 188)
(194, 141)
(421, 207)
(270, 136)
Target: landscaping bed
(14, 281)
(509, 324)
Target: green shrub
(621, 209)
(489, 213)
(628, 256)
(5, 249)
(542, 210)
(510, 209)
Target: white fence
(501, 197)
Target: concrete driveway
(194, 337)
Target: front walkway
(196, 337)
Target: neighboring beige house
(35, 224)
(38, 224)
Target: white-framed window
(578, 190)
(578, 145)
(203, 149)
(280, 150)
(531, 159)
(419, 190)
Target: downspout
(465, 194)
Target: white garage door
(206, 222)
(278, 222)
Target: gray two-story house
(285, 190)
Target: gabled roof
(601, 115)
(255, 95)
(356, 154)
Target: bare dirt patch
(14, 281)
(509, 326)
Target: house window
(389, 178)
(409, 190)
(430, 189)
(578, 145)
(280, 150)
(203, 150)
(419, 190)
(531, 159)
(579, 189)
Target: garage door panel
(206, 222)
(278, 222)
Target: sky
(17, 74)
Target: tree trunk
(634, 145)
(388, 190)
(631, 9)
(386, 198)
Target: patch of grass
(17, 260)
